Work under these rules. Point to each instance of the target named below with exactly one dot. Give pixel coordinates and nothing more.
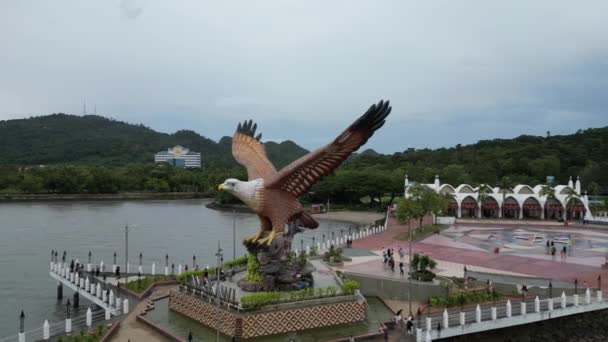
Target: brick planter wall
(264, 323)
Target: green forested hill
(108, 156)
(525, 159)
(91, 139)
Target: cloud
(304, 70)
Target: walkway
(131, 329)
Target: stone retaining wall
(256, 324)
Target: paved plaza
(473, 245)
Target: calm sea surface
(29, 231)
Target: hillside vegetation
(93, 154)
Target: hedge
(464, 298)
(185, 276)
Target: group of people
(388, 256)
(409, 322)
(550, 248)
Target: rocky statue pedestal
(277, 271)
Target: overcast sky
(455, 71)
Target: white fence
(461, 323)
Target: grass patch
(260, 299)
(419, 234)
(139, 286)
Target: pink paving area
(513, 263)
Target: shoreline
(345, 216)
(134, 196)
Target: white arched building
(523, 201)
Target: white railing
(55, 328)
(451, 324)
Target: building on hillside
(520, 202)
(179, 156)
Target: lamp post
(233, 234)
(126, 253)
(219, 256)
(193, 261)
(409, 277)
(22, 322)
(576, 286)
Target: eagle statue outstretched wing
(250, 152)
(302, 174)
(274, 195)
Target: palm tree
(483, 194)
(548, 192)
(571, 199)
(506, 185)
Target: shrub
(260, 299)
(349, 286)
(140, 285)
(313, 251)
(186, 276)
(336, 253)
(242, 261)
(465, 298)
(422, 266)
(253, 269)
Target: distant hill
(92, 139)
(526, 159)
(70, 139)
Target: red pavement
(513, 263)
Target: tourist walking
(401, 253)
(410, 324)
(401, 268)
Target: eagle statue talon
(254, 238)
(268, 239)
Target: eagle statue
(274, 195)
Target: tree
(424, 197)
(547, 191)
(506, 185)
(594, 189)
(483, 194)
(440, 205)
(571, 199)
(406, 210)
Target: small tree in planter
(333, 256)
(422, 266)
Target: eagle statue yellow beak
(221, 187)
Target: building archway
(489, 208)
(554, 210)
(453, 208)
(576, 211)
(532, 208)
(469, 207)
(510, 209)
